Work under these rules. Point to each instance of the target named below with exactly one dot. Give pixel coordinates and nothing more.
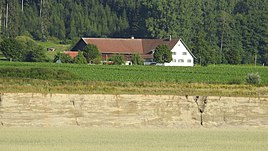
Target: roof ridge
(128, 38)
(113, 38)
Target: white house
(181, 55)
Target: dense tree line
(22, 48)
(222, 31)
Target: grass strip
(11, 85)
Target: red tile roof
(72, 54)
(128, 46)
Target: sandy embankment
(139, 111)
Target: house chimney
(132, 37)
(169, 37)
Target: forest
(217, 32)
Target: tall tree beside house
(91, 52)
(184, 21)
(162, 54)
(161, 18)
(202, 50)
(210, 26)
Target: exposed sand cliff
(17, 109)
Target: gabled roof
(128, 46)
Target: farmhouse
(108, 47)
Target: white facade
(181, 56)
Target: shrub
(253, 78)
(137, 59)
(36, 55)
(80, 59)
(97, 60)
(117, 60)
(64, 58)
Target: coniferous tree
(202, 50)
(236, 30)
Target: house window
(181, 60)
(184, 53)
(189, 61)
(173, 53)
(174, 60)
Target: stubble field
(107, 139)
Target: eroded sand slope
(17, 109)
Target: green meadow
(213, 74)
(217, 80)
(108, 139)
(58, 48)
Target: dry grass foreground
(92, 139)
(103, 87)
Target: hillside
(223, 31)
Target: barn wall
(79, 46)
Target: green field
(218, 74)
(218, 80)
(93, 139)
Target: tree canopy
(91, 52)
(162, 54)
(236, 30)
(22, 49)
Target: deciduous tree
(162, 54)
(91, 52)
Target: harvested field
(94, 139)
